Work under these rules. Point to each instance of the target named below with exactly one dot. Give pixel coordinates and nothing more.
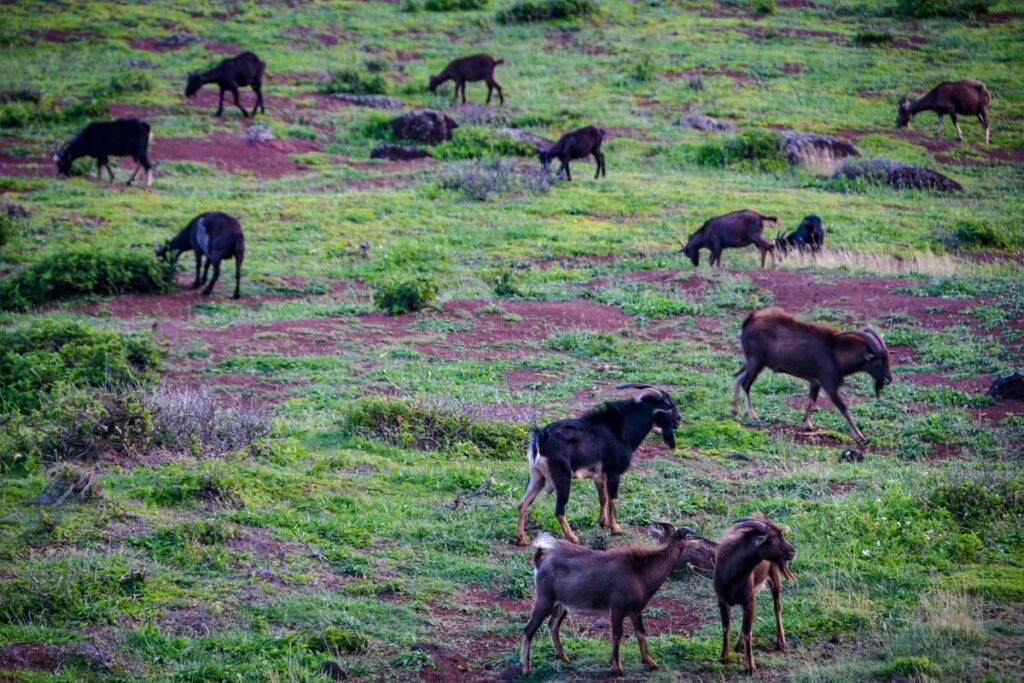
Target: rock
(374, 101)
(898, 175)
(259, 133)
(705, 123)
(389, 150)
(178, 39)
(480, 115)
(69, 482)
(511, 672)
(812, 149)
(425, 125)
(1010, 385)
(523, 136)
(333, 671)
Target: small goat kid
(242, 70)
(216, 236)
(579, 144)
(752, 542)
(469, 70)
(822, 355)
(949, 98)
(598, 445)
(732, 230)
(105, 139)
(809, 235)
(617, 582)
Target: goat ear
(760, 539)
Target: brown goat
(617, 582)
(751, 543)
(822, 355)
(470, 69)
(737, 229)
(949, 98)
(577, 144)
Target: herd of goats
(599, 445)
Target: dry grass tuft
(913, 263)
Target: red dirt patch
(54, 35)
(31, 657)
(704, 71)
(234, 153)
(153, 44)
(792, 67)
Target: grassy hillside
(199, 489)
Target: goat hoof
(565, 659)
(206, 292)
(616, 529)
(652, 665)
(236, 296)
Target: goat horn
(653, 392)
(633, 385)
(751, 523)
(876, 334)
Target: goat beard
(878, 389)
(669, 436)
(783, 566)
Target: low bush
(505, 285)
(353, 82)
(471, 142)
(763, 6)
(478, 180)
(41, 359)
(8, 228)
(20, 92)
(868, 37)
(125, 81)
(334, 640)
(409, 425)
(404, 295)
(751, 149)
(954, 9)
(981, 235)
(526, 11)
(85, 271)
(193, 421)
(454, 5)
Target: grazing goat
(598, 445)
(809, 235)
(469, 70)
(737, 229)
(949, 98)
(578, 144)
(700, 555)
(742, 553)
(822, 355)
(617, 582)
(105, 139)
(245, 69)
(216, 236)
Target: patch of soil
(233, 153)
(945, 148)
(31, 657)
(792, 67)
(119, 110)
(624, 132)
(192, 621)
(54, 35)
(154, 44)
(24, 167)
(704, 71)
(796, 4)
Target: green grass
(378, 512)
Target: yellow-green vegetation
(198, 489)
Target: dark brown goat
(949, 98)
(105, 139)
(469, 70)
(216, 236)
(242, 70)
(822, 355)
(743, 551)
(808, 236)
(737, 229)
(617, 582)
(579, 144)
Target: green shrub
(407, 425)
(955, 9)
(404, 295)
(334, 639)
(20, 92)
(982, 235)
(352, 82)
(8, 228)
(906, 666)
(126, 81)
(763, 6)
(756, 148)
(642, 70)
(454, 5)
(505, 285)
(871, 36)
(39, 360)
(710, 153)
(473, 142)
(85, 271)
(526, 11)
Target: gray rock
(705, 123)
(522, 136)
(425, 125)
(898, 175)
(511, 673)
(389, 150)
(259, 133)
(178, 39)
(374, 101)
(803, 148)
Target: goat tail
(770, 219)
(239, 247)
(498, 61)
(532, 447)
(545, 542)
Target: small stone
(511, 672)
(704, 123)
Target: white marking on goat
(202, 237)
(545, 542)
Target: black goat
(598, 445)
(469, 69)
(105, 139)
(949, 98)
(245, 69)
(752, 544)
(737, 229)
(822, 355)
(216, 236)
(578, 144)
(809, 235)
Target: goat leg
(748, 626)
(956, 124)
(641, 640)
(220, 103)
(110, 171)
(135, 173)
(612, 483)
(726, 615)
(841, 404)
(737, 380)
(554, 625)
(234, 93)
(533, 489)
(199, 267)
(780, 634)
(602, 501)
(812, 398)
(567, 530)
(616, 641)
(213, 280)
(541, 609)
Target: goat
(736, 229)
(617, 582)
(216, 236)
(820, 354)
(242, 70)
(809, 235)
(700, 554)
(949, 98)
(598, 445)
(578, 144)
(105, 139)
(469, 69)
(743, 551)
